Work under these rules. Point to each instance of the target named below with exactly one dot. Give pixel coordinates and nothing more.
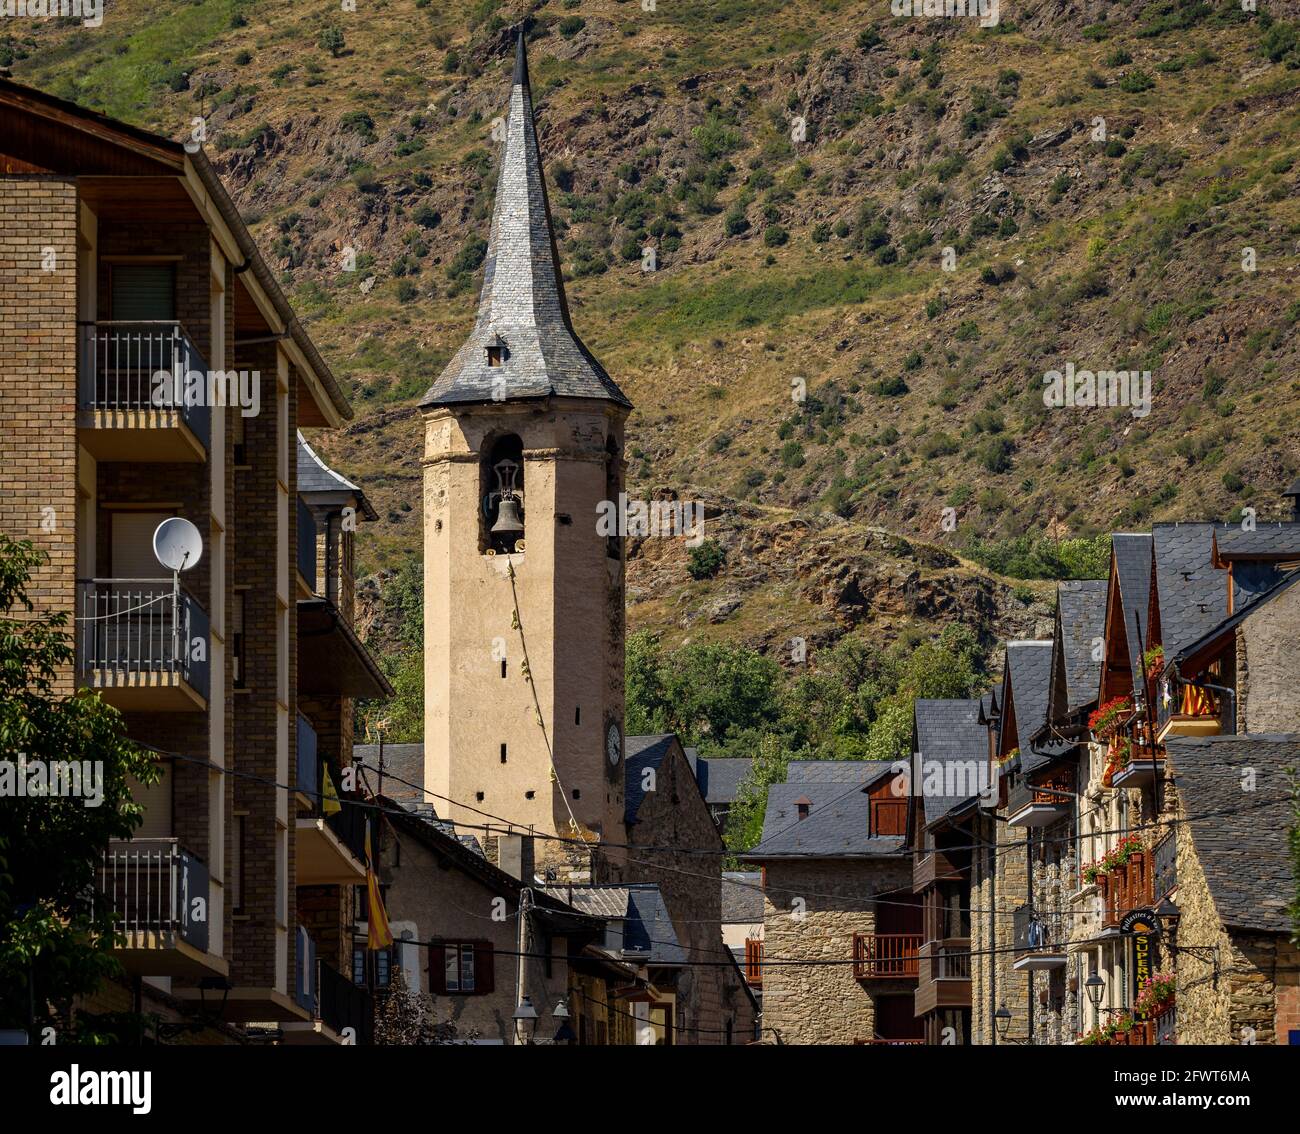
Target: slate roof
(836, 826)
(1266, 540)
(316, 477)
(948, 731)
(1082, 610)
(1237, 617)
(646, 926)
(1192, 593)
(402, 762)
(832, 771)
(642, 752)
(1029, 673)
(742, 897)
(1240, 837)
(719, 780)
(522, 305)
(1132, 553)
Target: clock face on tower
(613, 743)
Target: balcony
(159, 894)
(886, 956)
(306, 549)
(754, 961)
(1164, 867)
(1195, 712)
(143, 644)
(932, 868)
(123, 414)
(345, 1008)
(944, 974)
(1035, 947)
(307, 995)
(1038, 805)
(1125, 888)
(331, 848)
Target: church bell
(508, 521)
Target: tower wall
(569, 597)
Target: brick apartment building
(122, 256)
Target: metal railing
(345, 1005)
(306, 544)
(128, 626)
(118, 362)
(156, 886)
(886, 956)
(1164, 867)
(349, 826)
(308, 779)
(1023, 794)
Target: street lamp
(1002, 1017)
(526, 1014)
(1094, 986)
(564, 1033)
(1169, 916)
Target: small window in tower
(577, 715)
(478, 797)
(530, 794)
(503, 752)
(494, 355)
(503, 667)
(577, 793)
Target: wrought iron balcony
(1194, 710)
(1037, 941)
(346, 1008)
(126, 409)
(143, 642)
(1164, 871)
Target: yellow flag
(330, 804)
(378, 935)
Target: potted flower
(1156, 996)
(1154, 661)
(1121, 852)
(1105, 721)
(1094, 1038)
(1091, 873)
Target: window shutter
(144, 292)
(485, 965)
(438, 969)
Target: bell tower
(523, 595)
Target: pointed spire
(523, 344)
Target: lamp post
(564, 1034)
(525, 1017)
(1002, 1020)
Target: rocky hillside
(1111, 185)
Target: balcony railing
(1127, 887)
(131, 627)
(948, 959)
(117, 368)
(1036, 805)
(1165, 1027)
(344, 1005)
(754, 961)
(308, 779)
(156, 889)
(305, 972)
(306, 544)
(1194, 710)
(886, 956)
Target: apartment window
(461, 968)
(143, 292)
(383, 967)
(237, 640)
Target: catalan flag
(1196, 702)
(378, 935)
(329, 802)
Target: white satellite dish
(177, 544)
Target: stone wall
(1268, 667)
(811, 910)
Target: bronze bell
(508, 521)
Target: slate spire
(523, 344)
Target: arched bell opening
(501, 477)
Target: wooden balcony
(1198, 713)
(944, 974)
(1125, 889)
(886, 956)
(933, 867)
(754, 961)
(1037, 805)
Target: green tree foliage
(54, 944)
(854, 703)
(402, 601)
(705, 561)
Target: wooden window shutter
(438, 969)
(485, 967)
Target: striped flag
(378, 935)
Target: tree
(331, 40)
(54, 944)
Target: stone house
(841, 928)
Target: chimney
(1294, 493)
(803, 803)
(515, 856)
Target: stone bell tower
(523, 594)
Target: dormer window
(496, 351)
(803, 805)
(494, 356)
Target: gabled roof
(317, 480)
(1132, 556)
(1251, 608)
(642, 752)
(1192, 594)
(1081, 619)
(836, 826)
(1265, 541)
(991, 705)
(742, 897)
(522, 306)
(720, 779)
(1028, 674)
(646, 926)
(832, 771)
(1240, 836)
(948, 732)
